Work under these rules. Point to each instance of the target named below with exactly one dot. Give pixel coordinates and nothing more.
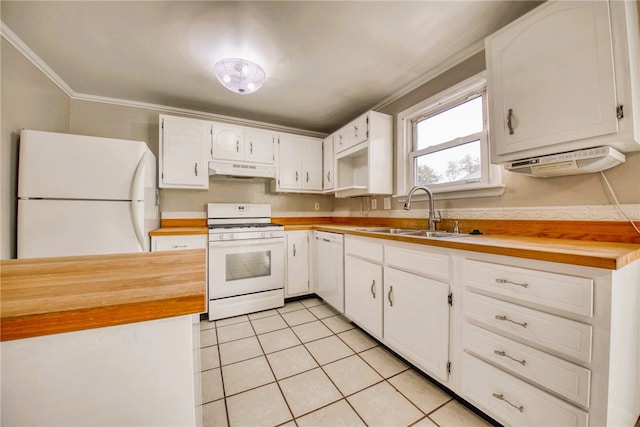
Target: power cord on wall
(615, 199)
(362, 211)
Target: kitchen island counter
(43, 296)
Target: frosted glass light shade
(239, 75)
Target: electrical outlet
(374, 204)
(317, 206)
(387, 202)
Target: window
(443, 144)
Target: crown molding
(26, 51)
(30, 55)
(434, 72)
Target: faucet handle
(456, 227)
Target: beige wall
(29, 101)
(115, 121)
(522, 191)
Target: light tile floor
(304, 365)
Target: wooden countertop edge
(30, 326)
(43, 296)
(611, 256)
(607, 255)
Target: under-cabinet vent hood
(569, 163)
(241, 170)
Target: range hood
(568, 163)
(241, 170)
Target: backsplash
(569, 213)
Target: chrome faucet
(432, 210)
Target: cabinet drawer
(417, 261)
(179, 243)
(512, 401)
(557, 334)
(569, 293)
(559, 376)
(363, 248)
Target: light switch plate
(374, 204)
(387, 202)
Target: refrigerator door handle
(137, 216)
(138, 182)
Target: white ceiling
(326, 62)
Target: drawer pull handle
(373, 288)
(179, 246)
(524, 285)
(500, 396)
(506, 319)
(390, 296)
(504, 354)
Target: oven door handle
(246, 242)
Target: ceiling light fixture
(239, 75)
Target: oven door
(245, 266)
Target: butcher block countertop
(43, 296)
(608, 255)
(577, 242)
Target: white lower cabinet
(545, 343)
(416, 320)
(389, 294)
(298, 263)
(363, 294)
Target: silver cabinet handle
(504, 354)
(296, 176)
(195, 168)
(340, 142)
(373, 288)
(329, 176)
(509, 124)
(237, 146)
(251, 147)
(294, 249)
(524, 285)
(506, 319)
(390, 296)
(307, 176)
(500, 396)
(355, 128)
(178, 246)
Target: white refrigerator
(82, 195)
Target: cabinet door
(416, 320)
(312, 164)
(228, 142)
(297, 263)
(259, 146)
(328, 164)
(363, 294)
(289, 162)
(183, 153)
(551, 77)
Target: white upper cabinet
(237, 143)
(364, 156)
(183, 153)
(564, 77)
(328, 176)
(299, 164)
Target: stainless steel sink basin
(390, 230)
(413, 232)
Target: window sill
(485, 190)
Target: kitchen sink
(413, 232)
(390, 230)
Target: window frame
(490, 182)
